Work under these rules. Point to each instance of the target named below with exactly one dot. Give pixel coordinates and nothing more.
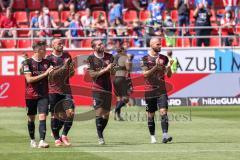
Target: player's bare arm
(95, 74)
(33, 79)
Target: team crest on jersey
(45, 66)
(26, 68)
(107, 61)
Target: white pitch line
(75, 151)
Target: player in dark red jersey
(60, 93)
(155, 66)
(100, 64)
(36, 70)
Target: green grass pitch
(202, 133)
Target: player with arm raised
(100, 64)
(36, 70)
(60, 96)
(154, 66)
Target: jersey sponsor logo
(4, 87)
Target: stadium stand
(130, 16)
(51, 4)
(23, 12)
(19, 5)
(21, 17)
(34, 4)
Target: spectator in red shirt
(8, 21)
(228, 25)
(6, 4)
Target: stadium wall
(205, 76)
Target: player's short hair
(169, 53)
(93, 43)
(120, 49)
(38, 44)
(54, 39)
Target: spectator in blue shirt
(156, 8)
(34, 24)
(115, 11)
(76, 30)
(206, 3)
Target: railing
(144, 38)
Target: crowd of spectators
(80, 22)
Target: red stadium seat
(23, 33)
(19, 4)
(163, 42)
(238, 29)
(214, 42)
(86, 43)
(220, 11)
(95, 2)
(130, 16)
(128, 4)
(215, 29)
(21, 17)
(82, 13)
(55, 16)
(23, 43)
(31, 15)
(218, 4)
(7, 43)
(144, 15)
(183, 42)
(170, 4)
(64, 15)
(192, 19)
(174, 15)
(95, 14)
(51, 4)
(34, 4)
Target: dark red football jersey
(38, 89)
(102, 82)
(61, 84)
(155, 83)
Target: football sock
(31, 129)
(60, 124)
(54, 127)
(99, 126)
(105, 121)
(151, 126)
(67, 126)
(119, 105)
(42, 129)
(164, 123)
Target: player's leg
(56, 122)
(102, 104)
(43, 112)
(69, 110)
(100, 124)
(31, 112)
(121, 90)
(151, 108)
(119, 104)
(163, 105)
